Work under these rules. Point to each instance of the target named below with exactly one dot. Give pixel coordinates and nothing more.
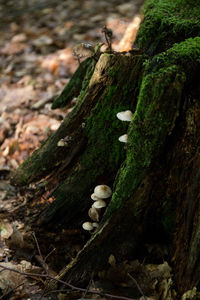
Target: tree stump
(155, 176)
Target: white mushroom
(62, 143)
(93, 214)
(126, 115)
(99, 204)
(87, 226)
(123, 138)
(102, 191)
(95, 224)
(74, 100)
(94, 197)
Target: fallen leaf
(9, 279)
(6, 230)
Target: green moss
(186, 54)
(154, 119)
(103, 128)
(167, 22)
(113, 70)
(156, 113)
(78, 82)
(103, 153)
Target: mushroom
(62, 143)
(95, 224)
(93, 214)
(87, 226)
(74, 100)
(94, 197)
(126, 115)
(102, 191)
(123, 138)
(99, 204)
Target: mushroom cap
(95, 224)
(123, 138)
(94, 197)
(61, 143)
(87, 226)
(102, 191)
(93, 214)
(126, 115)
(99, 204)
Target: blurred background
(36, 42)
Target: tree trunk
(155, 176)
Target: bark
(155, 176)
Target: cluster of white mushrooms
(127, 116)
(101, 192)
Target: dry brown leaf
(6, 230)
(13, 48)
(9, 279)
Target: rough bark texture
(155, 176)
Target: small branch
(108, 36)
(41, 260)
(137, 285)
(40, 254)
(54, 249)
(66, 284)
(87, 289)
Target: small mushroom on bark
(99, 204)
(93, 214)
(87, 226)
(102, 191)
(123, 138)
(94, 197)
(62, 143)
(126, 115)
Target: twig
(138, 287)
(42, 261)
(60, 291)
(66, 284)
(54, 249)
(87, 289)
(108, 36)
(40, 254)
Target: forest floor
(36, 62)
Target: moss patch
(153, 120)
(103, 153)
(156, 113)
(185, 54)
(103, 127)
(167, 22)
